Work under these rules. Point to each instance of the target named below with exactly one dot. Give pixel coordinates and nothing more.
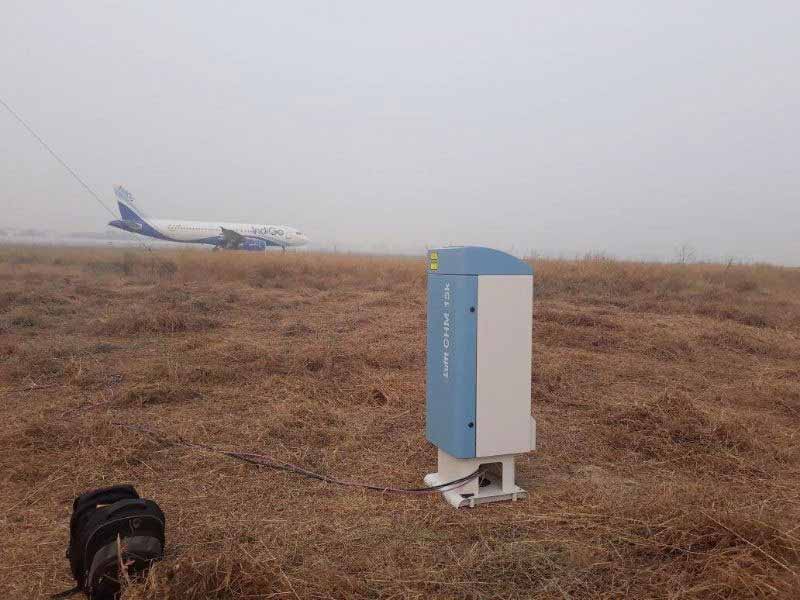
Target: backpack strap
(103, 575)
(67, 593)
(123, 518)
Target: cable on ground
(263, 460)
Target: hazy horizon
(618, 127)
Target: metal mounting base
(495, 485)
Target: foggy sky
(628, 128)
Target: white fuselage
(196, 231)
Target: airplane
(230, 236)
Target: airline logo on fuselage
(276, 231)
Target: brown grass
(667, 396)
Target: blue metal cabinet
(451, 360)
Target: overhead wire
(56, 156)
(69, 169)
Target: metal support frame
(497, 483)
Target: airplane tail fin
(128, 210)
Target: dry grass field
(667, 399)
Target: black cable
(257, 460)
(57, 157)
(271, 463)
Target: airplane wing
(231, 239)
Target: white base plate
(488, 493)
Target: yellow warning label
(434, 265)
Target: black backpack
(109, 526)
